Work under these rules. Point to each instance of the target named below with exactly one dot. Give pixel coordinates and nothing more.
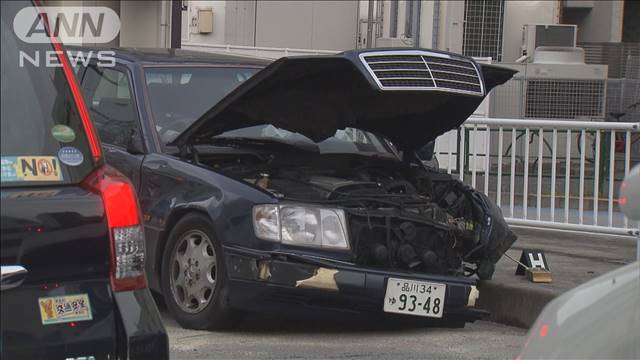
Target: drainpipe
(255, 23)
(415, 22)
(436, 25)
(393, 19)
(164, 24)
(176, 24)
(357, 37)
(370, 24)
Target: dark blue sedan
(300, 182)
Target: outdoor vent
(419, 70)
(565, 99)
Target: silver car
(599, 319)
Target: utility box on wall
(205, 21)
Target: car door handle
(12, 276)
(163, 164)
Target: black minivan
(73, 255)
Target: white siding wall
(603, 23)
(519, 13)
(332, 25)
(112, 4)
(451, 26)
(426, 24)
(329, 25)
(240, 23)
(140, 23)
(285, 24)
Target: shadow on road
(318, 322)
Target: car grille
(422, 71)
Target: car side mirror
(135, 145)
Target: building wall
(141, 23)
(426, 21)
(240, 23)
(602, 23)
(218, 34)
(333, 25)
(285, 24)
(386, 22)
(451, 26)
(451, 23)
(516, 15)
(386, 18)
(112, 4)
(426, 24)
(519, 13)
(327, 25)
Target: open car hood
(408, 96)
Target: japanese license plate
(62, 309)
(411, 297)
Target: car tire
(186, 273)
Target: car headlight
(301, 225)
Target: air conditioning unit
(558, 35)
(552, 91)
(565, 91)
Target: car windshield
(180, 95)
(349, 140)
(43, 138)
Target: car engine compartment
(400, 215)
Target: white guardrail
(539, 178)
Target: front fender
(172, 187)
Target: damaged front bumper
(263, 280)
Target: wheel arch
(176, 215)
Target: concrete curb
(511, 304)
(574, 258)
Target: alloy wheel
(193, 271)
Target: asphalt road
(277, 338)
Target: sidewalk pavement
(573, 258)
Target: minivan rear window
(43, 138)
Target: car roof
(177, 56)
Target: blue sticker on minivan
(71, 156)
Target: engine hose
(407, 186)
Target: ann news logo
(70, 25)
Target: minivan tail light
(126, 234)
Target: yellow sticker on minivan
(30, 168)
(39, 168)
(63, 309)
